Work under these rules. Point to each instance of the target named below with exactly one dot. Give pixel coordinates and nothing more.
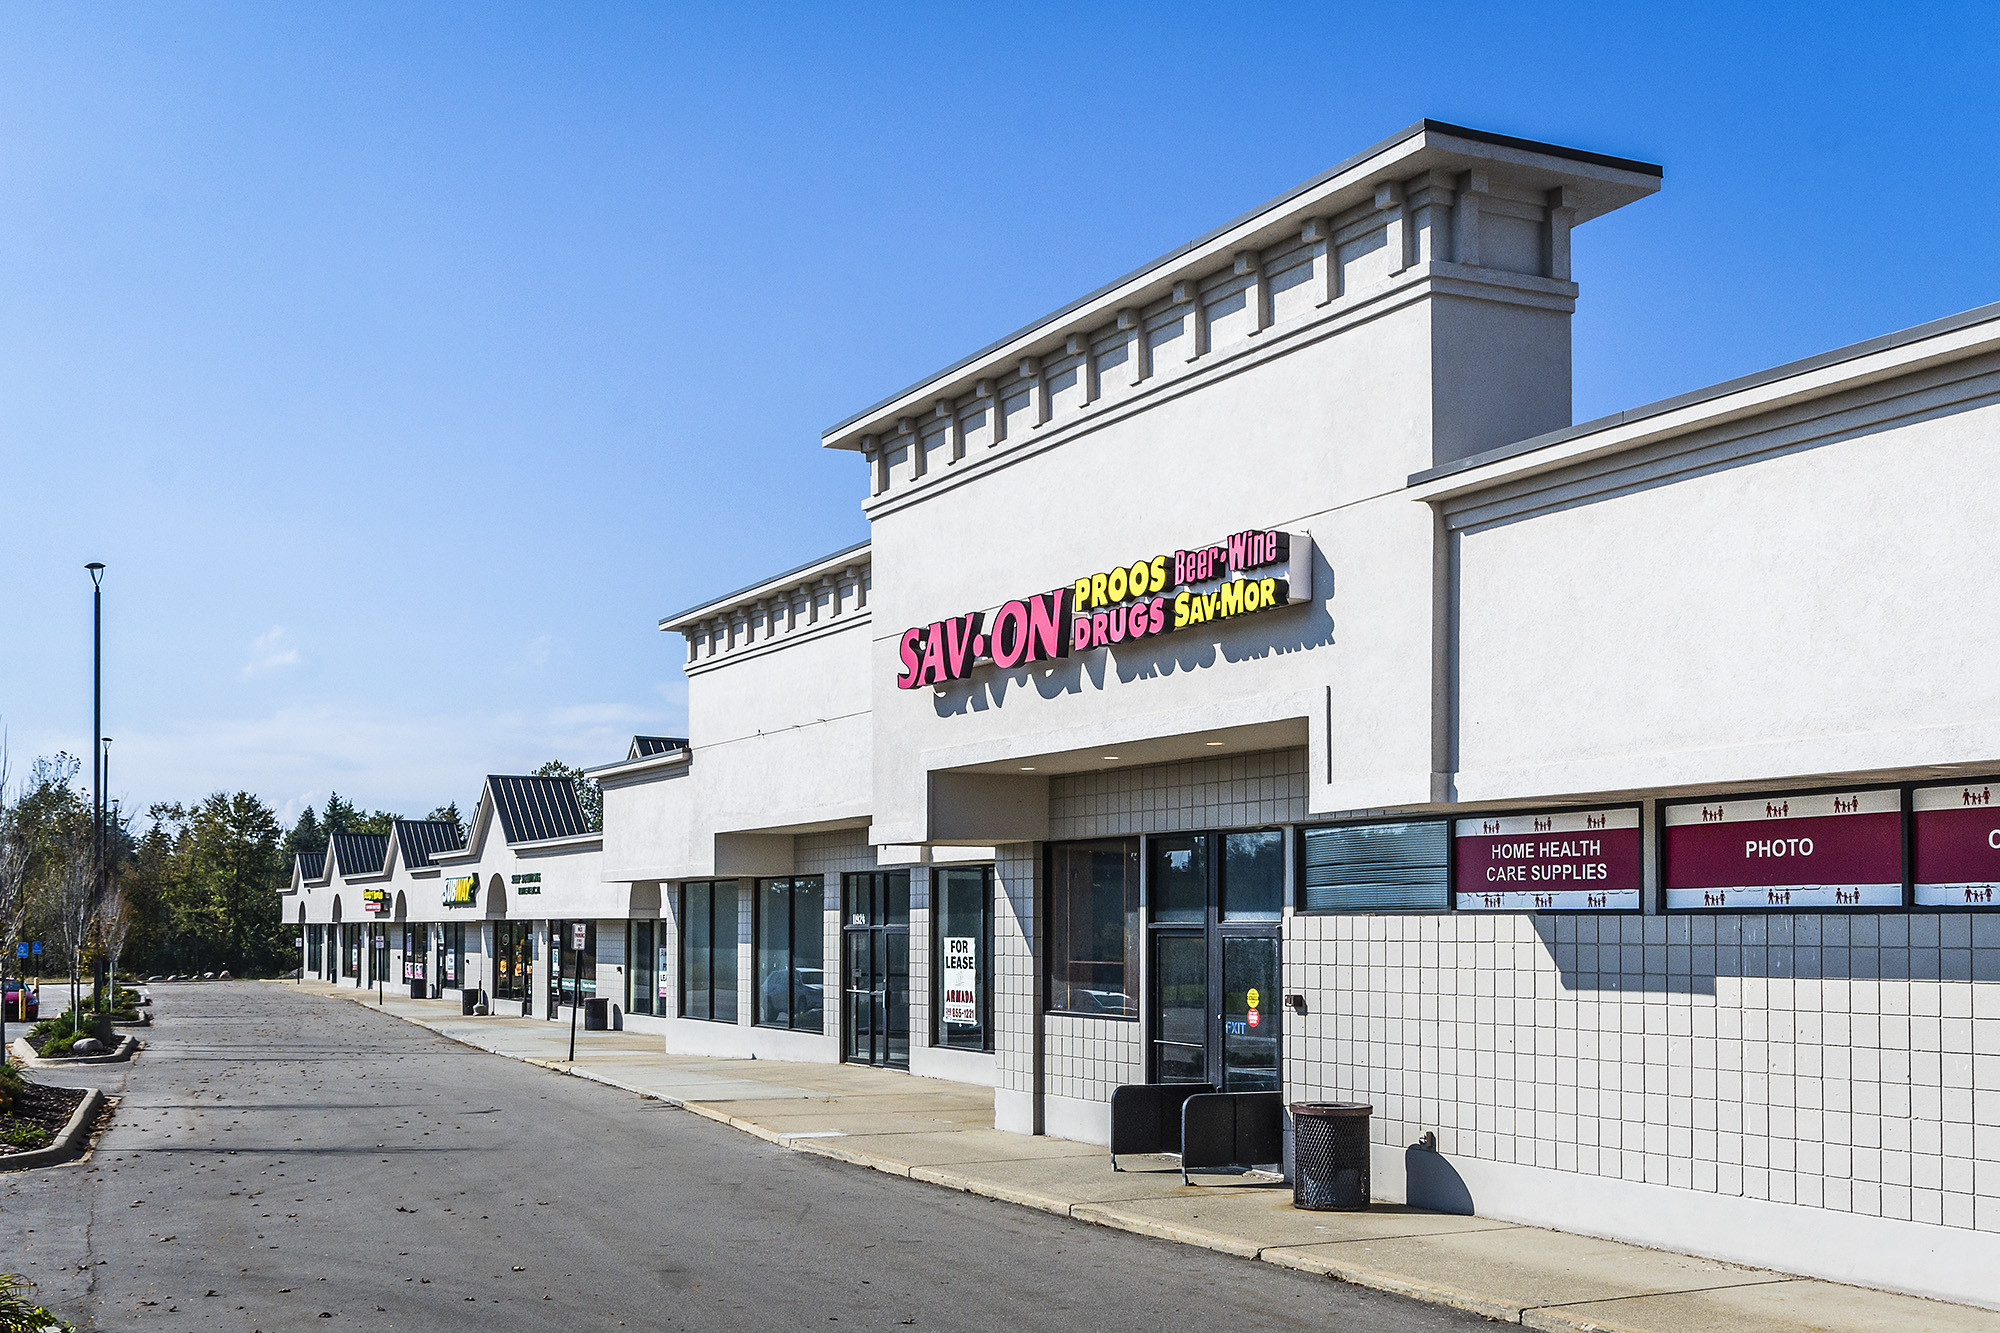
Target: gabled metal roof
(420, 839)
(312, 865)
(645, 747)
(360, 853)
(534, 809)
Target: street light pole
(96, 569)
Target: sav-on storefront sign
(1149, 597)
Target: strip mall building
(1254, 678)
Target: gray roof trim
(1270, 205)
(707, 602)
(1851, 352)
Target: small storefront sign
(1957, 845)
(461, 890)
(1564, 861)
(578, 935)
(958, 981)
(1836, 849)
(531, 882)
(666, 962)
(1257, 570)
(375, 900)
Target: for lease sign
(1564, 861)
(958, 981)
(1836, 849)
(1958, 845)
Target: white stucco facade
(1743, 603)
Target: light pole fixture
(96, 571)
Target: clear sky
(407, 362)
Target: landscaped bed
(32, 1114)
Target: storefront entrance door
(413, 962)
(875, 947)
(1216, 900)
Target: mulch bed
(44, 1107)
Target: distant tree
(74, 902)
(346, 817)
(307, 835)
(448, 814)
(588, 794)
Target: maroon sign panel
(1565, 861)
(1837, 849)
(1958, 845)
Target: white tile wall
(1843, 1062)
(1814, 1060)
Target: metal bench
(1205, 1127)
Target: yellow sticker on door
(1252, 997)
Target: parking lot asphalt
(277, 1161)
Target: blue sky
(406, 362)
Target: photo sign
(1836, 849)
(1251, 571)
(1958, 845)
(958, 981)
(1565, 861)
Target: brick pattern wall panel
(1238, 791)
(1017, 994)
(1086, 1058)
(920, 956)
(1842, 1062)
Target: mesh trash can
(1330, 1155)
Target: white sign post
(958, 980)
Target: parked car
(16, 992)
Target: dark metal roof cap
(420, 839)
(533, 809)
(360, 853)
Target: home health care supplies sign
(1250, 572)
(1564, 861)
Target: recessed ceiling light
(1027, 768)
(1107, 756)
(1214, 742)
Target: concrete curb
(127, 1047)
(66, 1144)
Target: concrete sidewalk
(942, 1133)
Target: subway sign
(1255, 570)
(461, 890)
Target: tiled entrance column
(1017, 987)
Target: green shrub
(25, 1136)
(17, 1313)
(10, 1087)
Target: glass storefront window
(791, 953)
(510, 960)
(1094, 928)
(1253, 876)
(1180, 878)
(1375, 868)
(574, 970)
(962, 957)
(709, 931)
(639, 976)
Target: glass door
(1216, 902)
(875, 948)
